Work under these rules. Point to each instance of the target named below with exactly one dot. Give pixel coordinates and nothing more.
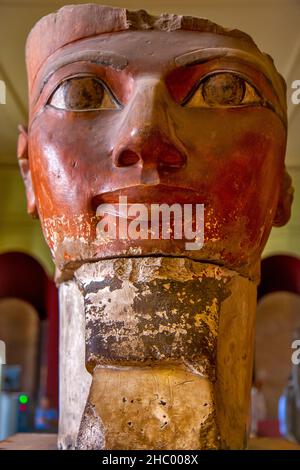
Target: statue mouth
(154, 213)
(149, 194)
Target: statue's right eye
(82, 94)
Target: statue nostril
(127, 158)
(171, 158)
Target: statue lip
(147, 195)
(130, 211)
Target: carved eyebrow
(206, 54)
(108, 59)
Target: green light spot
(23, 399)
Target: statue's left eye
(82, 94)
(223, 89)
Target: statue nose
(147, 138)
(153, 152)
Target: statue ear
(25, 170)
(286, 196)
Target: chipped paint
(133, 316)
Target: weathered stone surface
(91, 434)
(74, 380)
(152, 309)
(235, 353)
(164, 407)
(199, 319)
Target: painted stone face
(179, 116)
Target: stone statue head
(167, 109)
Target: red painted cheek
(240, 185)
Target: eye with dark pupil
(223, 89)
(83, 93)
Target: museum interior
(38, 368)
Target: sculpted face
(160, 117)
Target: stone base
(147, 327)
(151, 408)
